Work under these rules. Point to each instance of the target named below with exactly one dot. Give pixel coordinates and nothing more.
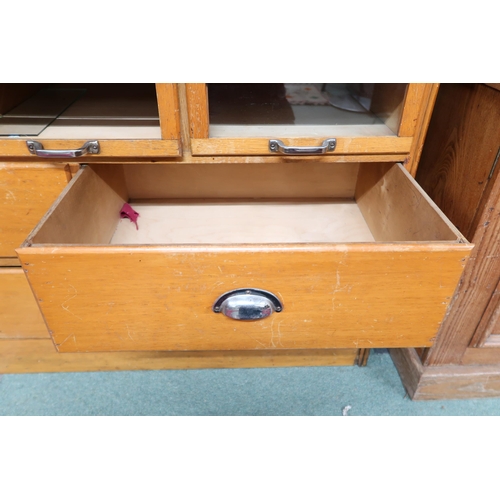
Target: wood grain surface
(141, 148)
(26, 193)
(260, 146)
(39, 356)
(456, 170)
(445, 382)
(19, 313)
(160, 298)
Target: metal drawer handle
(277, 146)
(247, 304)
(36, 148)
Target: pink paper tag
(128, 212)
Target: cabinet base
(445, 382)
(39, 356)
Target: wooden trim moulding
(445, 382)
(40, 356)
(168, 110)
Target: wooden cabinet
(365, 119)
(350, 255)
(119, 120)
(459, 170)
(347, 240)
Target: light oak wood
(160, 298)
(10, 148)
(19, 313)
(39, 356)
(168, 108)
(87, 211)
(197, 103)
(26, 193)
(420, 134)
(415, 96)
(240, 222)
(397, 209)
(303, 179)
(345, 145)
(165, 286)
(9, 262)
(355, 142)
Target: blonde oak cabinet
(347, 241)
(95, 121)
(365, 119)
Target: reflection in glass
(304, 104)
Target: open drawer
(354, 255)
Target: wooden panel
(397, 209)
(415, 94)
(168, 107)
(409, 367)
(275, 180)
(445, 382)
(193, 222)
(26, 193)
(461, 146)
(456, 170)
(420, 134)
(9, 262)
(160, 298)
(482, 356)
(19, 313)
(38, 356)
(490, 322)
(87, 211)
(197, 103)
(345, 145)
(109, 148)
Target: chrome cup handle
(36, 148)
(247, 304)
(277, 146)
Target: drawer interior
(75, 111)
(192, 204)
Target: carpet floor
(374, 390)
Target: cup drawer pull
(36, 148)
(277, 146)
(247, 304)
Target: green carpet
(372, 390)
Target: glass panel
(304, 109)
(87, 111)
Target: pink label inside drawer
(127, 212)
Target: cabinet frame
(416, 99)
(168, 146)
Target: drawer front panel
(20, 317)
(159, 298)
(26, 193)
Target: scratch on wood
(128, 333)
(66, 308)
(67, 338)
